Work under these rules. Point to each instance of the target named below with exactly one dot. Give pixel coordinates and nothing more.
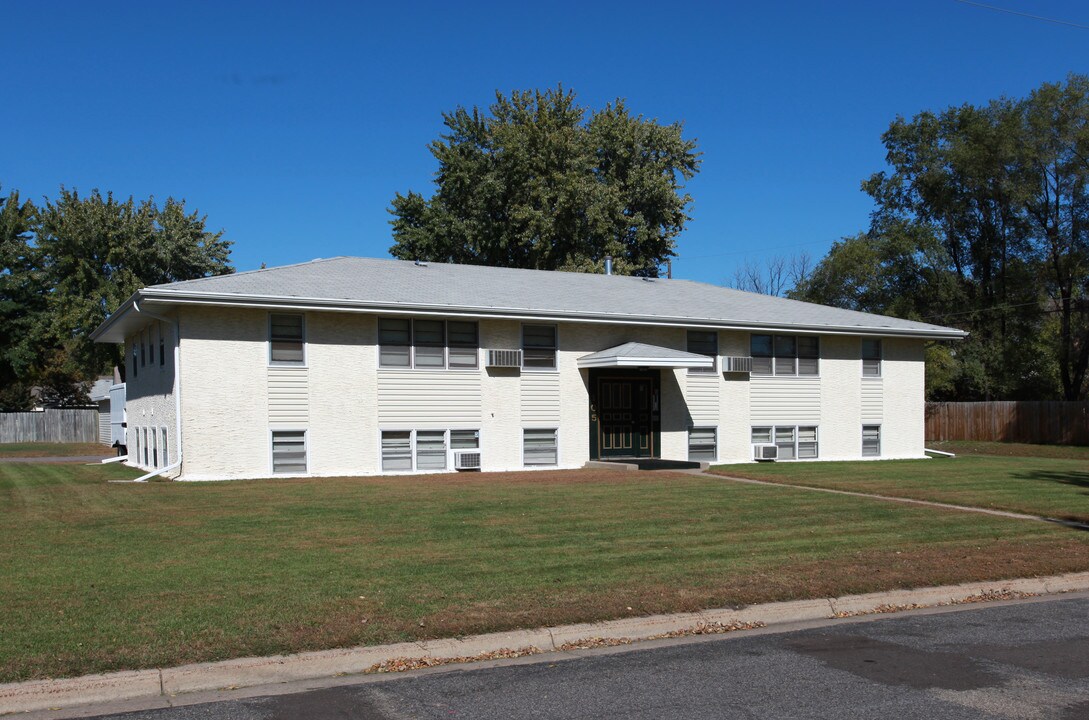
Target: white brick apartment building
(357, 366)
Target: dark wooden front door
(625, 409)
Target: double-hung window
(795, 442)
(539, 447)
(286, 339)
(428, 344)
(289, 451)
(539, 347)
(871, 357)
(785, 355)
(703, 342)
(871, 441)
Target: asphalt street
(1028, 660)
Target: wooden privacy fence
(1041, 422)
(68, 425)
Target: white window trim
(796, 374)
(412, 348)
(306, 443)
(797, 425)
(446, 430)
(559, 458)
(522, 346)
(862, 441)
(305, 346)
(880, 360)
(705, 427)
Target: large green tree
(538, 181)
(71, 262)
(981, 223)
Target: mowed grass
(22, 450)
(97, 577)
(1055, 487)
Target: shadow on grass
(1076, 478)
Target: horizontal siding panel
(288, 395)
(873, 399)
(702, 398)
(412, 398)
(784, 399)
(540, 398)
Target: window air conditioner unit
(737, 364)
(505, 358)
(467, 460)
(765, 452)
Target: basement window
(702, 444)
(396, 450)
(289, 451)
(871, 441)
(539, 447)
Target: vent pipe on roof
(608, 264)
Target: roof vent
(608, 264)
(421, 263)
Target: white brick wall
(230, 396)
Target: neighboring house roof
(633, 354)
(100, 389)
(400, 286)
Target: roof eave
(309, 303)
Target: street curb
(243, 672)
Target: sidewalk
(248, 672)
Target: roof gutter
(301, 303)
(177, 386)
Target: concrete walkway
(165, 683)
(907, 501)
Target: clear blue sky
(292, 125)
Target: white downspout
(177, 392)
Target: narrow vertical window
(394, 343)
(539, 347)
(786, 354)
(146, 453)
(702, 444)
(286, 339)
(760, 347)
(429, 343)
(871, 441)
(871, 357)
(162, 346)
(463, 338)
(154, 448)
(136, 432)
(807, 443)
(289, 451)
(166, 454)
(784, 438)
(396, 450)
(703, 342)
(151, 332)
(539, 447)
(143, 348)
(809, 353)
(430, 449)
(135, 372)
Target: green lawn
(97, 576)
(18, 450)
(1055, 487)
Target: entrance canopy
(633, 354)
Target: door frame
(655, 377)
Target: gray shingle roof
(397, 284)
(634, 354)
